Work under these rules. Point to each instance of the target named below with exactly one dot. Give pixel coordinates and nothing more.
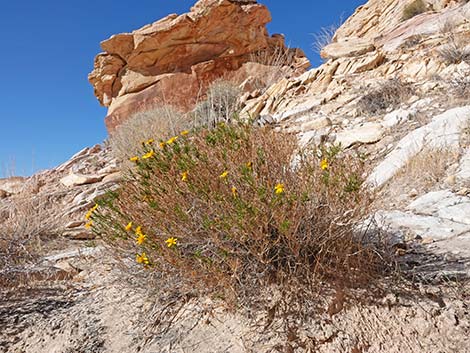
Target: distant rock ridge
(172, 61)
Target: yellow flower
(249, 165)
(172, 140)
(184, 176)
(90, 211)
(138, 231)
(223, 175)
(142, 259)
(171, 242)
(128, 226)
(149, 154)
(279, 188)
(89, 225)
(324, 164)
(140, 239)
(134, 159)
(149, 141)
(184, 132)
(234, 191)
(162, 144)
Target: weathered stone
(74, 224)
(348, 47)
(396, 117)
(78, 179)
(367, 133)
(463, 173)
(419, 225)
(12, 185)
(78, 234)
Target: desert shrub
(125, 141)
(228, 212)
(221, 104)
(413, 9)
(460, 86)
(389, 94)
(24, 222)
(279, 61)
(454, 53)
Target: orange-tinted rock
(173, 60)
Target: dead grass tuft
(27, 221)
(126, 140)
(324, 37)
(389, 94)
(279, 60)
(221, 104)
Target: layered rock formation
(173, 60)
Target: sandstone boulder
(173, 60)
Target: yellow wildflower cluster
(162, 145)
(142, 259)
(324, 164)
(88, 216)
(140, 240)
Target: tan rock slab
(79, 179)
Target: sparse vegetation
(460, 86)
(279, 62)
(427, 168)
(454, 52)
(24, 223)
(221, 105)
(125, 141)
(413, 9)
(324, 37)
(389, 94)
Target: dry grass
(419, 176)
(460, 86)
(221, 105)
(249, 227)
(280, 60)
(390, 94)
(428, 167)
(27, 221)
(413, 9)
(126, 140)
(454, 53)
(324, 37)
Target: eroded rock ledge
(173, 60)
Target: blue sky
(47, 107)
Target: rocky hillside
(393, 87)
